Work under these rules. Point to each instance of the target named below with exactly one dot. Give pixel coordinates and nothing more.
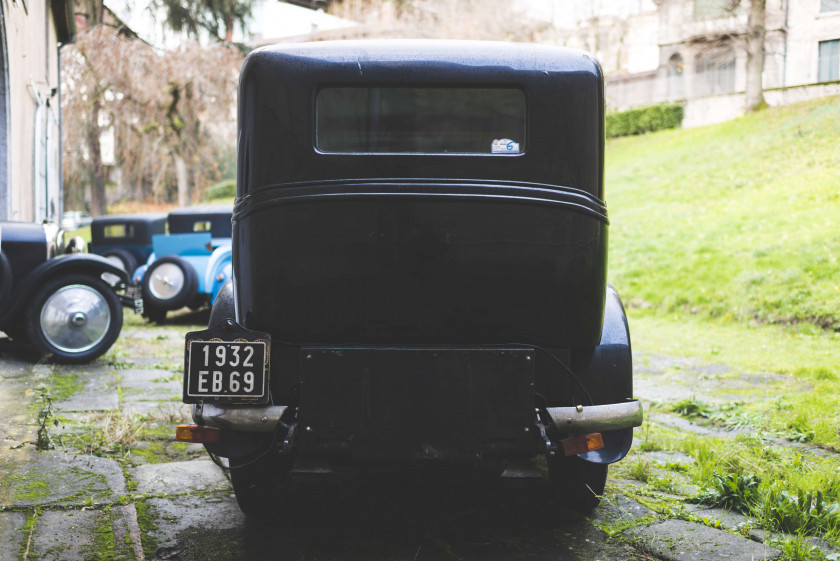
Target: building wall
(32, 184)
(794, 30)
(807, 27)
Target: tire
(5, 282)
(577, 485)
(169, 283)
(122, 259)
(262, 487)
(74, 318)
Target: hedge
(644, 119)
(222, 190)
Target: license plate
(227, 363)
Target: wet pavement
(88, 470)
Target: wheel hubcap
(75, 318)
(78, 319)
(167, 281)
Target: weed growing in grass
(797, 548)
(639, 470)
(734, 491)
(692, 408)
(800, 512)
(46, 417)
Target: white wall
(32, 184)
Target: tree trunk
(229, 23)
(97, 168)
(755, 54)
(183, 176)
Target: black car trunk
(422, 263)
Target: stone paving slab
(147, 385)
(126, 532)
(93, 369)
(678, 540)
(55, 478)
(98, 394)
(11, 534)
(665, 457)
(727, 518)
(176, 478)
(173, 409)
(201, 529)
(618, 508)
(50, 541)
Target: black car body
(420, 245)
(126, 239)
(55, 298)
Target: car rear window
(392, 120)
(119, 231)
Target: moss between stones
(28, 530)
(146, 522)
(103, 539)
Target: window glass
(711, 9)
(420, 120)
(829, 5)
(716, 74)
(202, 226)
(829, 61)
(119, 231)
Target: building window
(829, 6)
(715, 74)
(675, 77)
(829, 61)
(712, 9)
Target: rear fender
(607, 373)
(76, 263)
(218, 271)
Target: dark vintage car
(419, 270)
(190, 264)
(126, 239)
(54, 297)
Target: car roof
(202, 209)
(137, 216)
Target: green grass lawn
(739, 220)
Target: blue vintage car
(189, 265)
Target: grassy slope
(724, 243)
(739, 220)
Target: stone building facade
(702, 57)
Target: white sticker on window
(504, 146)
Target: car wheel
(261, 487)
(122, 259)
(577, 485)
(74, 318)
(5, 282)
(169, 283)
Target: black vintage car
(54, 297)
(126, 239)
(419, 269)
